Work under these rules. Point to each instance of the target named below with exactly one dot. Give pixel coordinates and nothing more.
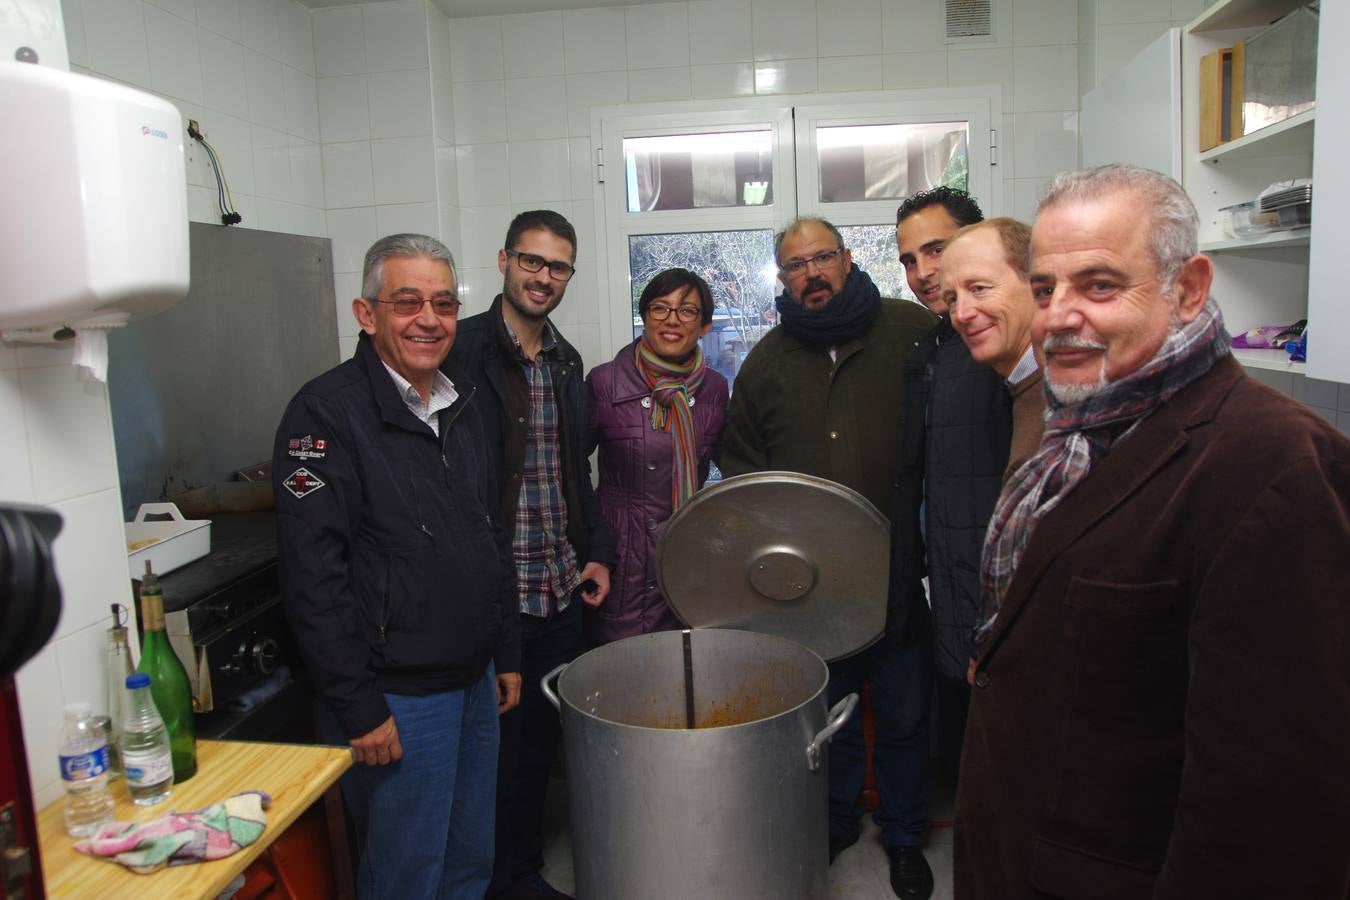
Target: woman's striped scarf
(672, 384)
(1076, 438)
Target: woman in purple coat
(656, 415)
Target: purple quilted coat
(635, 477)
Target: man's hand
(508, 692)
(379, 747)
(599, 573)
(970, 672)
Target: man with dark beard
(1161, 698)
(820, 394)
(536, 429)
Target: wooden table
(294, 775)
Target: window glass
(873, 248)
(890, 162)
(699, 171)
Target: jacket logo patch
(306, 447)
(302, 483)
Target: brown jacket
(1163, 707)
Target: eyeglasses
(659, 312)
(796, 267)
(531, 262)
(404, 307)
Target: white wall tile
(483, 174)
(1118, 13)
(297, 36)
(449, 216)
(438, 39)
(221, 16)
(1317, 392)
(785, 76)
(659, 84)
(1183, 11)
(347, 347)
(476, 49)
(658, 36)
(396, 36)
(69, 433)
(1045, 78)
(447, 176)
(848, 28)
(586, 338)
(175, 64)
(532, 44)
(40, 703)
(914, 70)
(262, 76)
(260, 27)
(339, 41)
(539, 172)
(982, 67)
(346, 288)
(535, 108)
(91, 559)
(400, 103)
(202, 205)
(352, 231)
(347, 178)
(784, 29)
(405, 170)
(594, 40)
(115, 34)
(306, 173)
(1118, 44)
(183, 9)
(723, 80)
(407, 218)
(223, 84)
(581, 163)
(720, 31)
(480, 112)
(9, 356)
(1044, 22)
(1026, 195)
(586, 91)
(82, 657)
(850, 73)
(477, 287)
(582, 218)
(1342, 398)
(16, 478)
(271, 164)
(483, 228)
(443, 109)
(302, 103)
(1046, 143)
(344, 108)
(38, 356)
(907, 25)
(77, 48)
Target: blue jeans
(426, 822)
(900, 698)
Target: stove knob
(264, 652)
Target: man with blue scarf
(820, 394)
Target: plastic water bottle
(84, 772)
(146, 758)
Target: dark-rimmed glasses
(796, 267)
(659, 312)
(530, 262)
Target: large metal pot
(736, 808)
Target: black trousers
(529, 742)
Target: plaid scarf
(1077, 436)
(671, 385)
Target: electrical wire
(224, 199)
(228, 196)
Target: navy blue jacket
(396, 578)
(483, 350)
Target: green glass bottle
(168, 679)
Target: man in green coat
(820, 394)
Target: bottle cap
(151, 581)
(78, 710)
(138, 680)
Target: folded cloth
(175, 838)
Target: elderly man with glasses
(537, 417)
(820, 394)
(397, 584)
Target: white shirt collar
(443, 395)
(1025, 368)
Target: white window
(705, 186)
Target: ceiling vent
(969, 20)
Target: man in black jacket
(954, 447)
(397, 581)
(536, 423)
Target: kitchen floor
(859, 873)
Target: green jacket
(793, 409)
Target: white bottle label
(146, 769)
(85, 765)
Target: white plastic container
(168, 545)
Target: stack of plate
(1292, 200)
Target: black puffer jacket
(955, 437)
(395, 576)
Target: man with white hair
(1161, 704)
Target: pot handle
(839, 714)
(548, 691)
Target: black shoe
(534, 887)
(910, 874)
(841, 842)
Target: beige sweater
(1028, 415)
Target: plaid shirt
(546, 563)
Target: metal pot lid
(780, 553)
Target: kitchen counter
(295, 776)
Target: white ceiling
(456, 9)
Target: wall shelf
(1269, 242)
(1272, 360)
(1293, 135)
(1243, 14)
